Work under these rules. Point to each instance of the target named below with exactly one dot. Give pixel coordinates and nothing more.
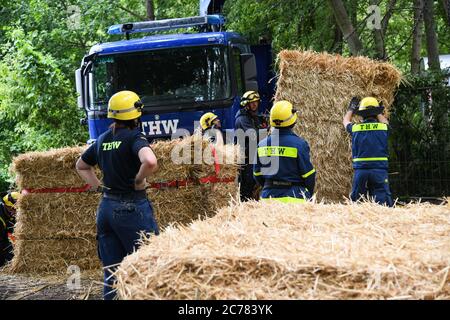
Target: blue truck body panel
(266, 77)
(162, 124)
(165, 42)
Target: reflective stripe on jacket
(369, 145)
(284, 156)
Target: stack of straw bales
(321, 85)
(295, 251)
(55, 230)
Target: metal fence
(424, 174)
(424, 178)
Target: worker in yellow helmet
(211, 127)
(369, 150)
(126, 159)
(248, 123)
(283, 166)
(7, 222)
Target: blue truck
(179, 76)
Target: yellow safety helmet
(124, 105)
(282, 114)
(369, 106)
(206, 121)
(11, 198)
(248, 97)
(368, 102)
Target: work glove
(382, 107)
(354, 104)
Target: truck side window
(237, 70)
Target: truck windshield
(163, 77)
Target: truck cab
(178, 76)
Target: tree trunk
(150, 9)
(431, 36)
(388, 15)
(446, 5)
(338, 41)
(352, 9)
(417, 37)
(379, 38)
(134, 14)
(346, 26)
(379, 34)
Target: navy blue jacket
(369, 144)
(7, 222)
(285, 160)
(247, 121)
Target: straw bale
(294, 251)
(222, 195)
(56, 215)
(56, 168)
(62, 219)
(49, 169)
(54, 256)
(321, 85)
(185, 204)
(192, 157)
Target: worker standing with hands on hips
(247, 119)
(369, 150)
(211, 127)
(7, 222)
(283, 165)
(126, 159)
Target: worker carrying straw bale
(321, 85)
(283, 166)
(126, 159)
(369, 150)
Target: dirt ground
(26, 287)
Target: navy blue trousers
(119, 224)
(372, 183)
(6, 251)
(247, 183)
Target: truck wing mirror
(79, 86)
(248, 65)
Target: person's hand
(140, 185)
(97, 188)
(354, 104)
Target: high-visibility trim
(8, 203)
(3, 222)
(286, 199)
(306, 175)
(370, 159)
(280, 151)
(257, 174)
(369, 127)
